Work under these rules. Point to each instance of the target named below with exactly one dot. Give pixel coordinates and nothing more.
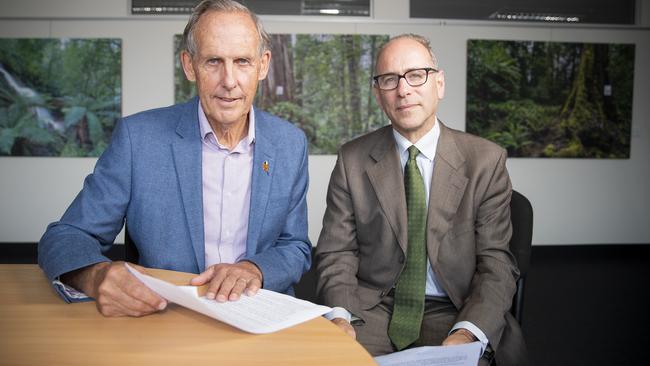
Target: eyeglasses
(415, 77)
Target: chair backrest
(521, 215)
(306, 288)
(131, 253)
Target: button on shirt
(226, 193)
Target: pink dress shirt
(226, 193)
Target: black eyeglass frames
(414, 77)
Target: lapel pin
(265, 166)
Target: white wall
(576, 201)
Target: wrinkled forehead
(401, 55)
(219, 28)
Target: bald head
(410, 39)
(410, 102)
(224, 6)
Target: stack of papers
(265, 312)
(461, 355)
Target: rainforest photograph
(320, 82)
(551, 99)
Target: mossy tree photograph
(320, 82)
(551, 99)
(59, 97)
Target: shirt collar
(206, 129)
(427, 144)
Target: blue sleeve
(95, 217)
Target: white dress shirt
(226, 184)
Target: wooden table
(38, 328)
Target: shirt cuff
(338, 312)
(474, 330)
(68, 293)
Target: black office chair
(306, 288)
(521, 215)
(131, 253)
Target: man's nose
(229, 82)
(403, 88)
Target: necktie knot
(413, 152)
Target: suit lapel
(388, 186)
(263, 168)
(187, 159)
(447, 188)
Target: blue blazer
(150, 175)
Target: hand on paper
(116, 291)
(461, 336)
(345, 326)
(229, 281)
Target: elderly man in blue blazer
(211, 186)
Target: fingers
(254, 277)
(345, 326)
(229, 281)
(460, 336)
(220, 275)
(203, 278)
(237, 289)
(124, 305)
(138, 267)
(121, 294)
(349, 330)
(452, 340)
(225, 287)
(250, 287)
(254, 285)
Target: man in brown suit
(363, 250)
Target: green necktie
(408, 309)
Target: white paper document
(461, 355)
(265, 312)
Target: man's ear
(376, 91)
(440, 83)
(265, 61)
(186, 61)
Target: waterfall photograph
(59, 96)
(552, 99)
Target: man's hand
(460, 336)
(228, 281)
(345, 326)
(116, 291)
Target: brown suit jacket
(362, 246)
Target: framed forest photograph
(320, 82)
(551, 99)
(59, 96)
